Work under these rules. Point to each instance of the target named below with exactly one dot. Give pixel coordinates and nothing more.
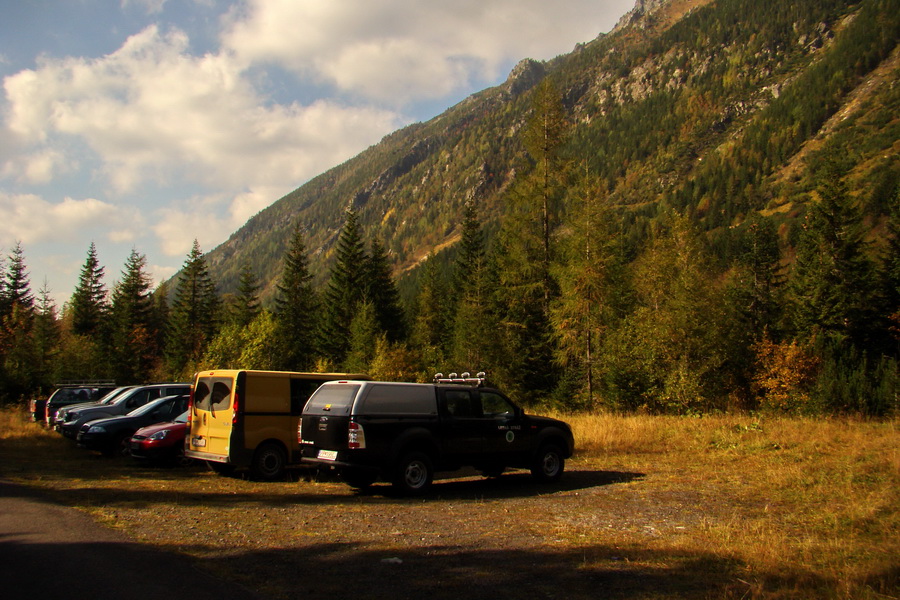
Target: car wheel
(181, 460)
(268, 462)
(359, 480)
(548, 464)
(413, 473)
(119, 446)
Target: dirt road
(51, 551)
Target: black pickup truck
(405, 432)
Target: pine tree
(345, 290)
(544, 137)
(587, 278)
(134, 348)
(297, 307)
(381, 292)
(88, 303)
(194, 315)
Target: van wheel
(268, 462)
(413, 473)
(548, 464)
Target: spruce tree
(194, 315)
(345, 291)
(245, 305)
(88, 304)
(297, 307)
(16, 285)
(381, 292)
(830, 285)
(473, 326)
(134, 347)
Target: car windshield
(143, 410)
(182, 418)
(113, 395)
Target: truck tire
(548, 464)
(413, 473)
(269, 462)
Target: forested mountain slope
(720, 108)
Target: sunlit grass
(791, 508)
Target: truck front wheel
(548, 464)
(413, 473)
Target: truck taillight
(356, 437)
(300, 431)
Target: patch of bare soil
(470, 537)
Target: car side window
(138, 399)
(459, 403)
(495, 405)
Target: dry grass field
(650, 507)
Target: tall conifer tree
(345, 290)
(134, 339)
(194, 315)
(297, 307)
(88, 303)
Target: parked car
(248, 419)
(405, 432)
(66, 394)
(162, 442)
(112, 435)
(55, 419)
(122, 404)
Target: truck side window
(459, 403)
(495, 405)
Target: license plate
(328, 454)
(198, 442)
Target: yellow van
(241, 419)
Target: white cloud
(152, 112)
(31, 219)
(401, 51)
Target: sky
(146, 124)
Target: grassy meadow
(731, 506)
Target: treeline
(560, 306)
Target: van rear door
(212, 418)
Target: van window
(399, 399)
(217, 398)
(332, 399)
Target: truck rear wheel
(269, 462)
(413, 473)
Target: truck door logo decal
(510, 436)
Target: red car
(161, 442)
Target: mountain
(718, 108)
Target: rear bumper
(220, 458)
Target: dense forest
(699, 211)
